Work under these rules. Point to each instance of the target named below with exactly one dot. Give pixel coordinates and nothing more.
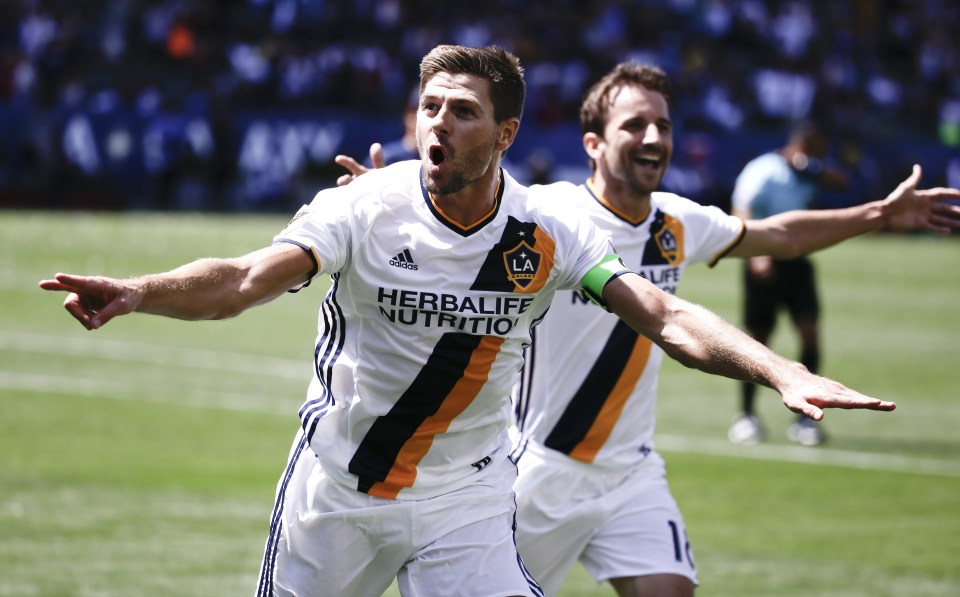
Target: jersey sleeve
(324, 228)
(586, 245)
(714, 233)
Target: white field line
(134, 392)
(142, 352)
(137, 392)
(818, 456)
(293, 369)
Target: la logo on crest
(667, 243)
(522, 263)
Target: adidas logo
(404, 260)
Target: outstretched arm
(796, 233)
(203, 289)
(699, 339)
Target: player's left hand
(910, 208)
(810, 394)
(356, 168)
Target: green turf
(141, 459)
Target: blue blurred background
(242, 105)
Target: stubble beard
(473, 165)
(637, 183)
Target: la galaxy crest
(522, 263)
(667, 233)
(667, 243)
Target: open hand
(814, 393)
(936, 210)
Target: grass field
(141, 459)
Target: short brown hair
(596, 104)
(507, 86)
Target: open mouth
(437, 155)
(649, 160)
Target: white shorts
(329, 539)
(617, 524)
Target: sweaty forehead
(460, 86)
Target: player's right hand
(94, 300)
(356, 168)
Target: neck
(472, 203)
(631, 204)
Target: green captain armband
(593, 282)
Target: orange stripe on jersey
(547, 247)
(602, 427)
(403, 473)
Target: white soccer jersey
(589, 386)
(421, 334)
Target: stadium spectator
(860, 68)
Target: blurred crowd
(215, 104)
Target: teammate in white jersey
(592, 487)
(440, 270)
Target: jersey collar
(479, 224)
(592, 189)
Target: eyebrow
(633, 119)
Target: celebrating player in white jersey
(591, 485)
(440, 270)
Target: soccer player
(440, 269)
(591, 485)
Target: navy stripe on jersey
(532, 583)
(492, 274)
(313, 258)
(585, 405)
(381, 445)
(453, 225)
(325, 355)
(524, 391)
(518, 451)
(265, 586)
(521, 398)
(652, 255)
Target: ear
(593, 145)
(507, 133)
